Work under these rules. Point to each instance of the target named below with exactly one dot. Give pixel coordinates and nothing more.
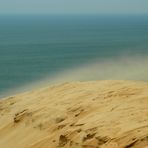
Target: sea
(40, 50)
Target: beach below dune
(94, 114)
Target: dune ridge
(95, 114)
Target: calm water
(32, 47)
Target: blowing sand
(103, 114)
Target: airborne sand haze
(125, 67)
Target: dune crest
(103, 114)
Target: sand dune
(103, 114)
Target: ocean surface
(39, 49)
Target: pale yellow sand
(103, 114)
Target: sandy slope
(104, 114)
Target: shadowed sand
(101, 114)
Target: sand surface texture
(103, 114)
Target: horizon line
(61, 14)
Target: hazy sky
(73, 6)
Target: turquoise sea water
(34, 47)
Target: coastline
(75, 114)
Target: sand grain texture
(103, 114)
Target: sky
(73, 6)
